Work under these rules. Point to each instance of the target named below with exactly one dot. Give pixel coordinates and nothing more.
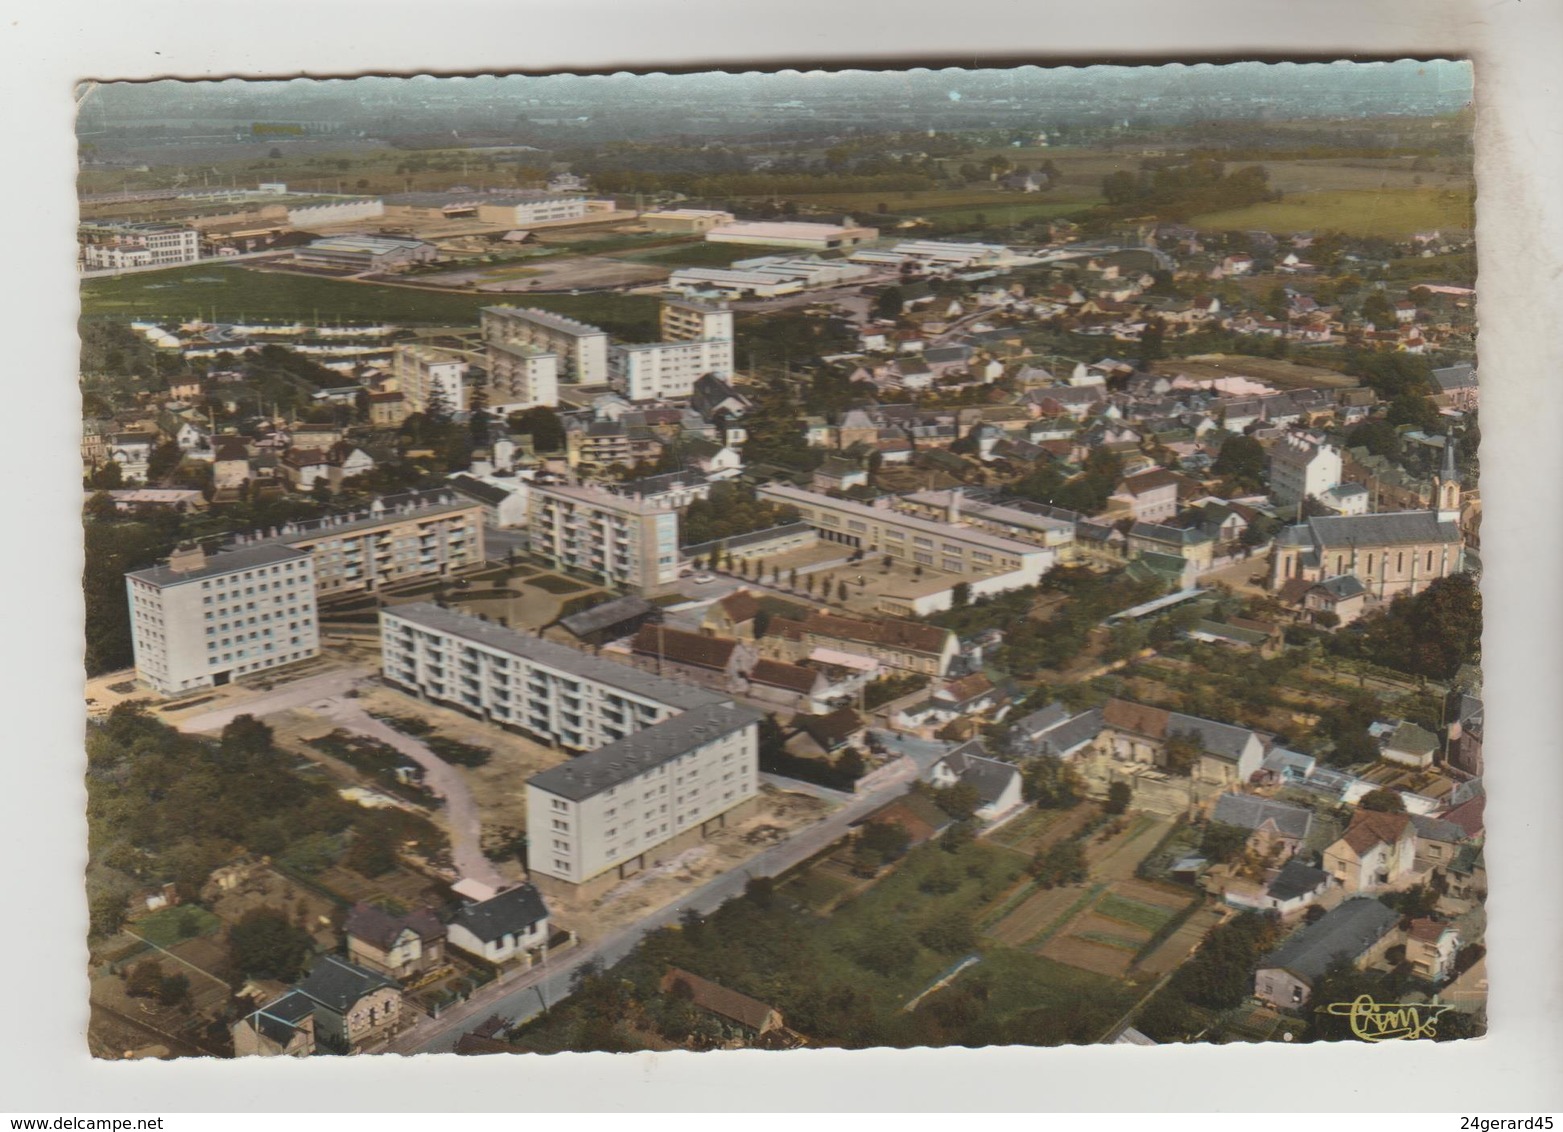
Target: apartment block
(1301, 469)
(660, 371)
(666, 762)
(424, 371)
(400, 537)
(622, 540)
(520, 377)
(688, 320)
(199, 620)
(582, 348)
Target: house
(1356, 931)
(1151, 497)
(916, 814)
(345, 462)
(997, 783)
(510, 926)
(1275, 828)
(1377, 850)
(354, 1007)
(732, 616)
(1438, 841)
(827, 734)
(1431, 947)
(284, 1027)
(788, 685)
(714, 661)
(753, 1018)
(1343, 597)
(1137, 733)
(230, 462)
(1295, 887)
(1410, 745)
(305, 467)
(837, 473)
(397, 946)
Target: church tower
(1446, 486)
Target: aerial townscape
(803, 560)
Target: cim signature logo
(1389, 1021)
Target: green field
(699, 254)
(170, 925)
(1388, 213)
(1133, 912)
(231, 293)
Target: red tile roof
(740, 1008)
(776, 674)
(1369, 828)
(1138, 718)
(693, 649)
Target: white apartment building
(520, 377)
(660, 371)
(945, 547)
(118, 245)
(688, 320)
(1301, 468)
(614, 808)
(622, 540)
(421, 370)
(582, 348)
(525, 209)
(400, 537)
(665, 759)
(197, 620)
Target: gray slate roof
(608, 766)
(1250, 812)
(510, 913)
(1436, 829)
(607, 614)
(279, 1019)
(563, 657)
(1295, 879)
(989, 776)
(1391, 528)
(337, 984)
(1345, 932)
(1219, 739)
(1069, 735)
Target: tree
(1119, 795)
(889, 303)
(1061, 863)
(879, 843)
(1242, 460)
(108, 477)
(146, 979)
(960, 801)
(1383, 800)
(265, 944)
(542, 424)
(1183, 751)
(960, 595)
(841, 592)
(1050, 783)
(1223, 843)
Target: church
(1389, 554)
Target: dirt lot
(1278, 372)
(779, 814)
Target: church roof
(1394, 528)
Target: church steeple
(1446, 486)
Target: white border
(47, 48)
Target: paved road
(461, 812)
(525, 996)
(285, 697)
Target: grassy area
(1145, 916)
(1018, 982)
(169, 926)
(699, 254)
(230, 292)
(1388, 213)
(815, 888)
(552, 583)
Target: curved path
(461, 812)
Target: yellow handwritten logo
(1389, 1021)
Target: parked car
(702, 578)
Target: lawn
(231, 293)
(552, 583)
(1145, 916)
(169, 926)
(699, 254)
(1388, 213)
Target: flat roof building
(685, 220)
(366, 253)
(582, 349)
(790, 234)
(664, 761)
(622, 540)
(199, 620)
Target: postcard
(782, 560)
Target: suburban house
(1431, 946)
(905, 645)
(712, 661)
(753, 1018)
(789, 685)
(1378, 850)
(1410, 745)
(398, 947)
(512, 925)
(997, 783)
(1137, 733)
(609, 620)
(1293, 887)
(816, 735)
(1357, 931)
(354, 1007)
(1274, 828)
(284, 1027)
